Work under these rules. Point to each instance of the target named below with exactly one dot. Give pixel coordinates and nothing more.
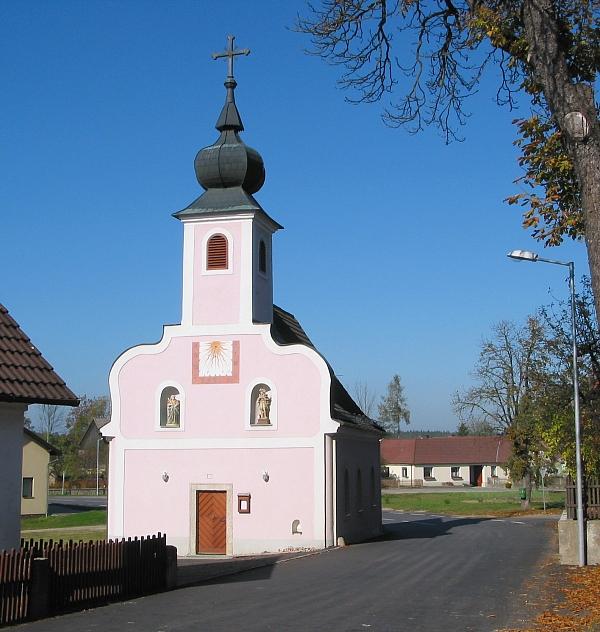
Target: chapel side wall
(11, 460)
(35, 465)
(358, 511)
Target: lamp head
(522, 255)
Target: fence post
(171, 567)
(39, 590)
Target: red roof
(24, 374)
(446, 450)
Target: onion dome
(229, 162)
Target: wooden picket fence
(80, 574)
(591, 498)
(15, 577)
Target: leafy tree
(73, 462)
(547, 49)
(393, 408)
(510, 371)
(554, 407)
(462, 430)
(365, 397)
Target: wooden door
(211, 522)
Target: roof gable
(25, 376)
(286, 330)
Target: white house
(25, 378)
(448, 461)
(232, 434)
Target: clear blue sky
(393, 253)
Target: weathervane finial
(230, 53)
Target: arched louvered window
(216, 253)
(262, 257)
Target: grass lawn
(94, 517)
(67, 534)
(502, 503)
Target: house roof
(92, 433)
(44, 444)
(25, 376)
(286, 330)
(446, 450)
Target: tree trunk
(562, 95)
(526, 484)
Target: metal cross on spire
(230, 53)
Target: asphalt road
(73, 504)
(429, 574)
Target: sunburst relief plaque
(215, 362)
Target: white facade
(448, 475)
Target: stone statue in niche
(263, 407)
(172, 412)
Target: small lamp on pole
(526, 255)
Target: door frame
(211, 487)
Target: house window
(346, 493)
(493, 470)
(27, 487)
(359, 490)
(170, 408)
(404, 472)
(217, 253)
(428, 473)
(455, 472)
(262, 257)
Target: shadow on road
(425, 528)
(221, 571)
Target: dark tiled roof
(286, 330)
(446, 450)
(44, 444)
(24, 374)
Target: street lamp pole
(526, 255)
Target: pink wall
(216, 298)
(151, 505)
(218, 410)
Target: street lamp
(526, 255)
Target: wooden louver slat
(216, 253)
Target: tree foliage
(393, 409)
(425, 58)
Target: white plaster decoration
(246, 273)
(157, 407)
(249, 405)
(187, 296)
(217, 230)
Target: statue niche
(170, 408)
(261, 405)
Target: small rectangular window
(493, 470)
(428, 472)
(455, 471)
(27, 487)
(404, 472)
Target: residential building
(449, 461)
(25, 378)
(36, 461)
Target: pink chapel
(232, 434)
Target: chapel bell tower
(227, 244)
